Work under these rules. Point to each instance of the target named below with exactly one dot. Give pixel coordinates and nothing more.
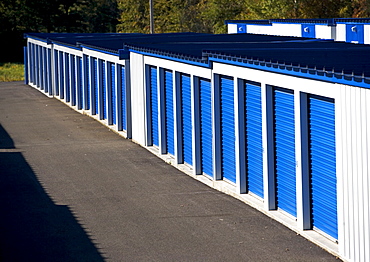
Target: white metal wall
(353, 169)
(138, 98)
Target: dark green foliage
(132, 16)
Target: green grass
(11, 72)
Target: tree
(134, 16)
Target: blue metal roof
(290, 55)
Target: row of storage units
(352, 30)
(90, 81)
(291, 140)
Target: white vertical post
(177, 108)
(268, 146)
(240, 156)
(302, 160)
(216, 126)
(161, 112)
(196, 125)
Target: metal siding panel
(154, 105)
(104, 91)
(206, 126)
(253, 131)
(96, 86)
(73, 80)
(186, 119)
(285, 151)
(170, 131)
(123, 90)
(228, 129)
(113, 90)
(79, 84)
(323, 166)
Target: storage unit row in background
(352, 30)
(288, 138)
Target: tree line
(127, 16)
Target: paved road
(71, 190)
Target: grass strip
(11, 72)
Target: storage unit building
(351, 30)
(278, 123)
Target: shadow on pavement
(32, 227)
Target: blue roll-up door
(80, 81)
(186, 119)
(56, 72)
(31, 55)
(61, 75)
(123, 90)
(285, 150)
(170, 120)
(355, 33)
(154, 105)
(49, 73)
(323, 165)
(37, 66)
(206, 125)
(113, 91)
(87, 84)
(73, 80)
(95, 102)
(253, 139)
(42, 68)
(66, 83)
(45, 69)
(104, 91)
(227, 129)
(34, 64)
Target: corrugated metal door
(42, 67)
(154, 105)
(113, 91)
(79, 84)
(186, 119)
(96, 86)
(206, 125)
(227, 129)
(31, 58)
(67, 82)
(45, 70)
(285, 150)
(37, 66)
(73, 80)
(104, 91)
(56, 72)
(61, 75)
(49, 73)
(170, 131)
(123, 90)
(355, 33)
(323, 165)
(253, 131)
(87, 84)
